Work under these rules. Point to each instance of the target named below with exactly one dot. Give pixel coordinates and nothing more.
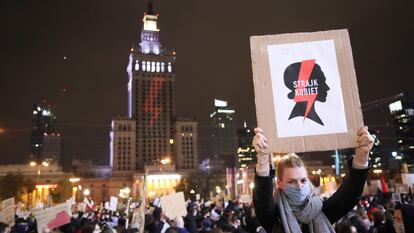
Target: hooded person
(295, 206)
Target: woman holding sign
(294, 207)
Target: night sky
(211, 39)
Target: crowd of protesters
(375, 214)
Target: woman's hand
(365, 143)
(259, 141)
(260, 145)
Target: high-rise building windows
(153, 66)
(136, 65)
(158, 67)
(143, 66)
(162, 66)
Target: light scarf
(309, 212)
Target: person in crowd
(190, 220)
(179, 225)
(159, 223)
(4, 228)
(296, 208)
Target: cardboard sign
(306, 91)
(245, 198)
(113, 204)
(8, 211)
(173, 205)
(53, 217)
(135, 217)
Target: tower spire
(150, 8)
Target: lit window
(143, 65)
(169, 67)
(136, 65)
(158, 67)
(148, 66)
(162, 66)
(153, 66)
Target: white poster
(113, 204)
(408, 179)
(245, 198)
(53, 217)
(8, 211)
(306, 89)
(173, 205)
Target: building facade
(123, 145)
(186, 143)
(45, 142)
(245, 152)
(402, 112)
(224, 133)
(151, 100)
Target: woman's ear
(280, 184)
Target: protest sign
(135, 217)
(173, 205)
(8, 211)
(53, 217)
(408, 179)
(306, 91)
(245, 198)
(113, 204)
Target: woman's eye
(304, 180)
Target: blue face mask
(296, 194)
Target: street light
(33, 164)
(74, 188)
(86, 192)
(165, 161)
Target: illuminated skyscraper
(151, 100)
(224, 133)
(245, 151)
(45, 142)
(402, 112)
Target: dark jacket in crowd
(190, 222)
(335, 207)
(407, 211)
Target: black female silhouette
(307, 83)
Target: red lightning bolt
(306, 68)
(149, 104)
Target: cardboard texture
(306, 91)
(8, 211)
(53, 217)
(173, 205)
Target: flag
(384, 185)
